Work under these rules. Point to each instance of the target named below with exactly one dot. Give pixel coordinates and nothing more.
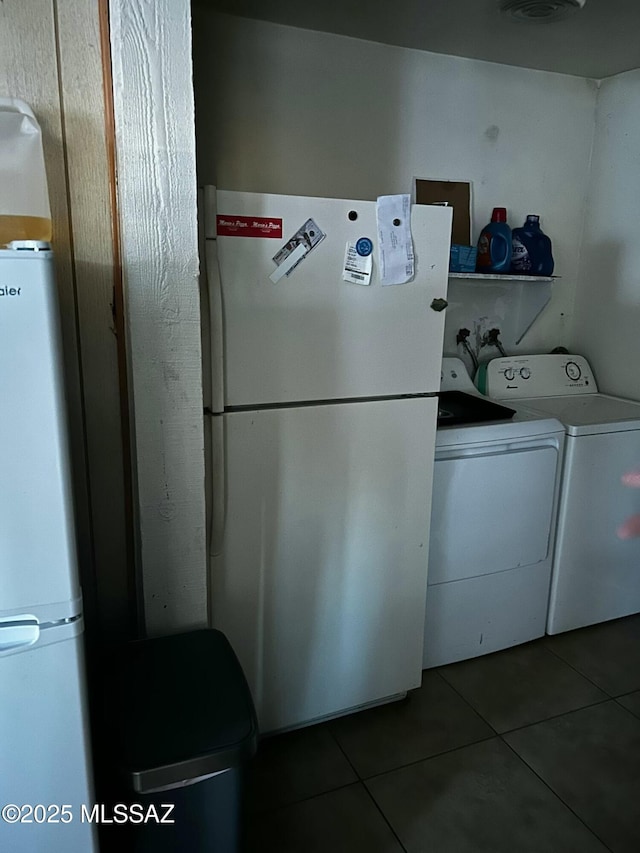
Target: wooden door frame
(155, 171)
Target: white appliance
(595, 575)
(493, 515)
(44, 734)
(323, 431)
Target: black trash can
(186, 728)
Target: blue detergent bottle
(531, 249)
(494, 244)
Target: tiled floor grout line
(427, 758)
(364, 779)
(467, 702)
(284, 806)
(608, 698)
(344, 752)
(362, 782)
(575, 669)
(495, 734)
(556, 716)
(358, 781)
(384, 817)
(555, 793)
(618, 702)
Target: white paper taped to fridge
(395, 246)
(300, 244)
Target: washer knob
(525, 372)
(573, 371)
(509, 374)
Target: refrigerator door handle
(218, 486)
(210, 202)
(18, 632)
(214, 284)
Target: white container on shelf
(24, 199)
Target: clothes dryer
(596, 575)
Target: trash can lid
(183, 709)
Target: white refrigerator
(44, 734)
(322, 418)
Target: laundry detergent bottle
(531, 249)
(494, 244)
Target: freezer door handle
(218, 486)
(18, 632)
(214, 285)
(210, 198)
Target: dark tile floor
(531, 750)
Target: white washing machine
(596, 575)
(493, 522)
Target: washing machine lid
(525, 424)
(498, 423)
(588, 414)
(457, 407)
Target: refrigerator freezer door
(37, 545)
(313, 336)
(321, 579)
(44, 747)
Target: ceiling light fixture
(539, 11)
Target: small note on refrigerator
(358, 261)
(395, 246)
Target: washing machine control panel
(551, 375)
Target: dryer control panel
(551, 375)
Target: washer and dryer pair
(526, 508)
(596, 575)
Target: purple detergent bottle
(531, 249)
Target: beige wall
(608, 301)
(286, 110)
(50, 56)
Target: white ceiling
(601, 40)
